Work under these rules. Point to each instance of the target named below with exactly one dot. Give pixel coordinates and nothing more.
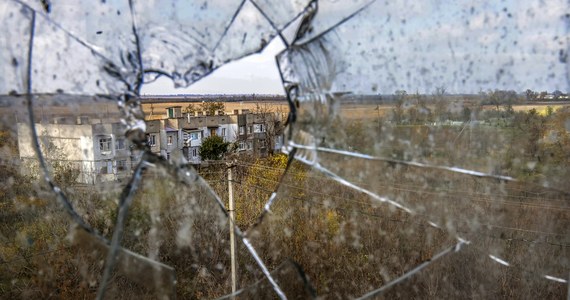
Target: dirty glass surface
(424, 158)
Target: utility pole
(378, 109)
(232, 224)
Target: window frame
(194, 136)
(121, 165)
(120, 144)
(105, 144)
(151, 140)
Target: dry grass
(345, 242)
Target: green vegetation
(213, 148)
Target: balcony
(196, 143)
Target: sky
(253, 74)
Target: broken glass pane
(325, 15)
(15, 42)
(383, 109)
(249, 31)
(201, 36)
(281, 13)
(430, 145)
(95, 34)
(104, 26)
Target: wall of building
(99, 152)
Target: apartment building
(98, 151)
(252, 133)
(260, 133)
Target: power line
(407, 185)
(422, 189)
(472, 196)
(316, 202)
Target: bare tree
(212, 107)
(190, 109)
(531, 95)
(273, 120)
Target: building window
(241, 130)
(168, 155)
(245, 111)
(236, 111)
(170, 140)
(200, 113)
(278, 141)
(194, 136)
(241, 146)
(262, 144)
(249, 145)
(106, 167)
(170, 113)
(213, 131)
(121, 165)
(120, 144)
(249, 129)
(194, 152)
(223, 132)
(105, 144)
(151, 139)
(258, 128)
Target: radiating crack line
(278, 30)
(333, 27)
(73, 36)
(505, 263)
(269, 203)
(298, 268)
(140, 73)
(60, 195)
(339, 179)
(125, 201)
(283, 39)
(184, 175)
(402, 162)
(292, 116)
(455, 248)
(234, 17)
(305, 24)
(353, 186)
(247, 244)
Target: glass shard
(15, 41)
